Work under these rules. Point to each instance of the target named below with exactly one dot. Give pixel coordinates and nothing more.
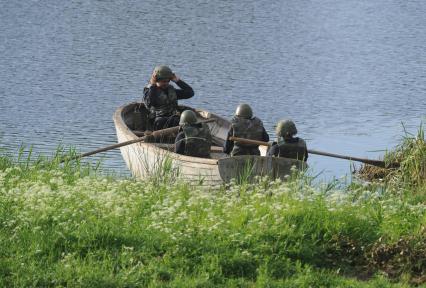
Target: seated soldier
(288, 146)
(161, 98)
(194, 138)
(244, 125)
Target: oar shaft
(367, 161)
(156, 134)
(249, 141)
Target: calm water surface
(348, 72)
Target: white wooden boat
(150, 159)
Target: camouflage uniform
(163, 103)
(166, 102)
(194, 140)
(245, 128)
(294, 148)
(288, 146)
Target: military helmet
(188, 117)
(244, 110)
(286, 127)
(163, 72)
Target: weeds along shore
(66, 225)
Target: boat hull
(146, 160)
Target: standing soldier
(194, 138)
(244, 125)
(288, 146)
(161, 98)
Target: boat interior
(137, 119)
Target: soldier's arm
(305, 158)
(185, 90)
(265, 136)
(306, 154)
(228, 145)
(150, 94)
(273, 151)
(180, 143)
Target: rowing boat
(145, 160)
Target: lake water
(348, 72)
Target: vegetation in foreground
(411, 157)
(66, 226)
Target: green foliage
(409, 175)
(63, 225)
(411, 154)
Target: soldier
(161, 98)
(194, 138)
(288, 146)
(244, 125)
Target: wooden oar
(363, 160)
(155, 134)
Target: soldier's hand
(153, 79)
(175, 78)
(149, 138)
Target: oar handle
(378, 163)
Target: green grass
(64, 225)
(411, 153)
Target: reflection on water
(348, 72)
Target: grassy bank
(67, 226)
(410, 175)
